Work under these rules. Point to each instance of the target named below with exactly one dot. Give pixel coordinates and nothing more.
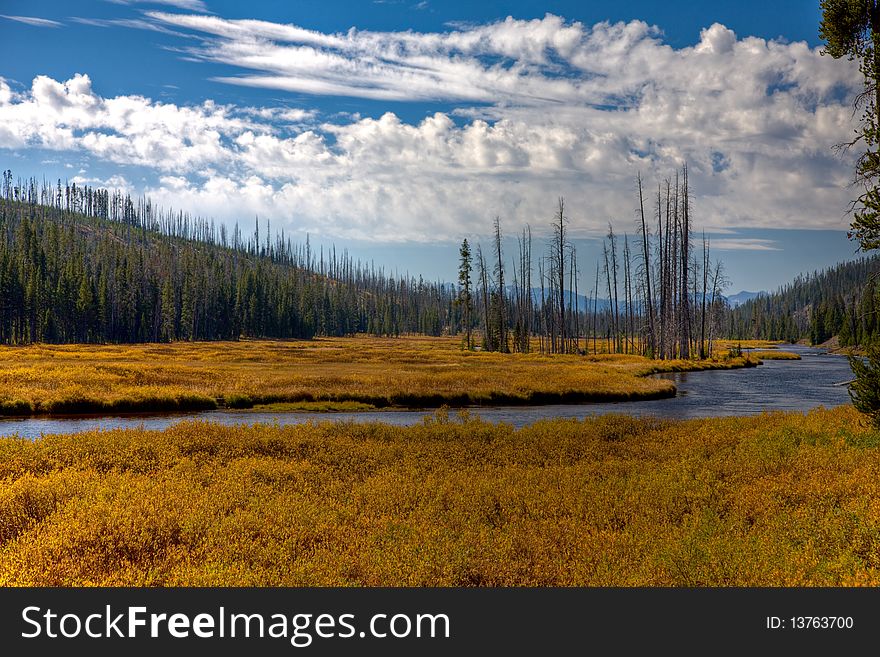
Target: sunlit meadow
(375, 372)
(778, 499)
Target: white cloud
(134, 23)
(32, 20)
(294, 115)
(116, 182)
(543, 108)
(5, 93)
(125, 129)
(744, 244)
(191, 5)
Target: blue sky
(397, 128)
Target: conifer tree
(465, 266)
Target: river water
(788, 385)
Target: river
(788, 385)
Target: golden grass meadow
(778, 499)
(327, 373)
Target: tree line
(840, 301)
(851, 30)
(81, 264)
(656, 294)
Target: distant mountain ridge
(740, 298)
(586, 303)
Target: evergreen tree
(851, 29)
(465, 267)
(865, 390)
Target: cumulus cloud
(543, 108)
(126, 129)
(5, 92)
(116, 182)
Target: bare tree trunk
(685, 259)
(614, 269)
(608, 279)
(571, 307)
(559, 247)
(484, 282)
(703, 353)
(646, 262)
(528, 287)
(694, 299)
(523, 295)
(716, 282)
(577, 327)
(516, 309)
(543, 332)
(663, 270)
(674, 282)
(627, 293)
(596, 312)
(549, 311)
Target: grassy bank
(770, 500)
(322, 373)
(774, 354)
(724, 344)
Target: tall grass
(780, 499)
(773, 354)
(405, 372)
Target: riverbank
(773, 500)
(773, 354)
(323, 374)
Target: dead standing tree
(685, 322)
(651, 346)
(560, 244)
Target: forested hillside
(839, 301)
(85, 265)
(79, 264)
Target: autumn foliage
(779, 499)
(378, 372)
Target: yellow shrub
(780, 499)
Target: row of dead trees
(658, 295)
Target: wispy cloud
(398, 65)
(191, 5)
(744, 244)
(32, 20)
(133, 23)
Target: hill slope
(83, 265)
(839, 301)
